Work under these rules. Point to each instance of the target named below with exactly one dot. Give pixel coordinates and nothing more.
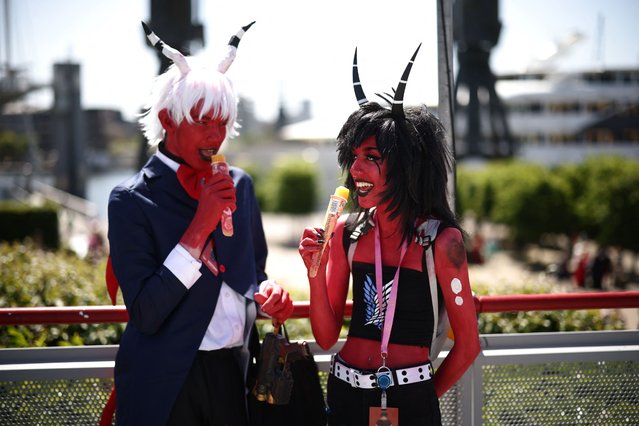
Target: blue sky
(303, 50)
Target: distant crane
(13, 85)
(476, 30)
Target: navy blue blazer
(148, 215)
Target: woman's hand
(311, 243)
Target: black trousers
(213, 393)
(348, 406)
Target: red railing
(484, 304)
(557, 301)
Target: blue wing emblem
(373, 314)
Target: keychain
(384, 380)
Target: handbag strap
(280, 327)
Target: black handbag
(284, 382)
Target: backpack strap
(350, 240)
(426, 234)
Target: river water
(99, 187)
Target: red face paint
(368, 171)
(196, 142)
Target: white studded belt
(368, 380)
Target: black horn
(357, 86)
(398, 101)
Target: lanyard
(390, 307)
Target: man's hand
(274, 301)
(217, 194)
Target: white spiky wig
(178, 93)
(187, 82)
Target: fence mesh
(601, 393)
(575, 393)
(81, 401)
(74, 402)
(450, 405)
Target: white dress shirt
(226, 329)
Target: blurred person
(397, 163)
(191, 292)
(579, 262)
(96, 247)
(600, 268)
(476, 252)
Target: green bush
(531, 201)
(259, 181)
(599, 197)
(291, 187)
(13, 147)
(33, 277)
(476, 190)
(19, 221)
(605, 191)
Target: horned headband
(397, 102)
(180, 60)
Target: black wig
(418, 162)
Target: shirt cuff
(183, 266)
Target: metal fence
(553, 379)
(518, 379)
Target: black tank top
(414, 318)
(413, 322)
